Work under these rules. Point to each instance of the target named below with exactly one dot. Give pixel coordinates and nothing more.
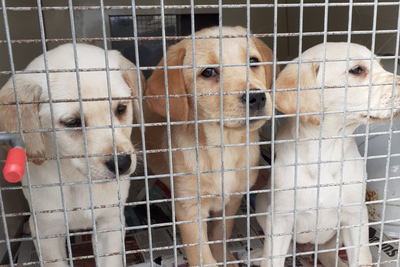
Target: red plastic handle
(14, 168)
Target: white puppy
(319, 163)
(47, 201)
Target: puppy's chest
(79, 202)
(218, 173)
(329, 183)
(225, 174)
(320, 180)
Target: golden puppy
(208, 81)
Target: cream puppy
(317, 165)
(102, 187)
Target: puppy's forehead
(90, 85)
(338, 50)
(92, 80)
(233, 49)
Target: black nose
(124, 163)
(256, 100)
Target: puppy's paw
(230, 258)
(254, 254)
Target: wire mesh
(159, 26)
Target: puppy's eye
(253, 60)
(357, 70)
(121, 109)
(72, 123)
(209, 72)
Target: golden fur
(180, 82)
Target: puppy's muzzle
(124, 164)
(257, 100)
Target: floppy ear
(267, 56)
(178, 106)
(27, 92)
(309, 100)
(130, 77)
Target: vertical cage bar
(272, 169)
(3, 218)
(43, 39)
(389, 145)
(169, 140)
(326, 10)
(196, 125)
(248, 122)
(343, 137)
(221, 115)
(374, 22)
(27, 175)
(301, 18)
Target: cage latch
(14, 168)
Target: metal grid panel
(192, 8)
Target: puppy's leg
(254, 254)
(187, 211)
(216, 231)
(328, 259)
(279, 242)
(110, 242)
(351, 237)
(51, 248)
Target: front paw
(254, 254)
(229, 258)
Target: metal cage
(29, 29)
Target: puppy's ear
(178, 106)
(130, 77)
(27, 92)
(309, 100)
(267, 56)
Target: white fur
(330, 174)
(63, 85)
